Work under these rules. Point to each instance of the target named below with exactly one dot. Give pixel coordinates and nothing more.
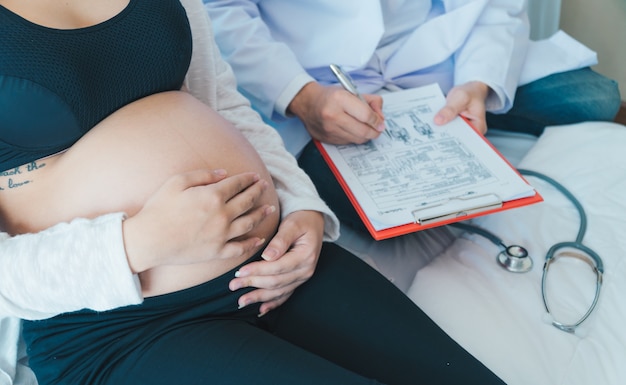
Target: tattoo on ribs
(18, 176)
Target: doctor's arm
(488, 65)
(281, 86)
(267, 70)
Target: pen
(345, 81)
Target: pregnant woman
(118, 106)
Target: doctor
(476, 50)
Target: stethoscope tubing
(593, 258)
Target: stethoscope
(515, 258)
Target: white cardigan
(83, 264)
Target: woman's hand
(467, 100)
(289, 261)
(195, 216)
(333, 115)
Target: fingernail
(242, 305)
(241, 273)
(269, 254)
(219, 172)
(259, 242)
(234, 286)
(381, 127)
(270, 210)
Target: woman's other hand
(289, 261)
(196, 216)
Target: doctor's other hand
(196, 216)
(333, 115)
(289, 260)
(467, 100)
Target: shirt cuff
(290, 92)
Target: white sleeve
(68, 267)
(495, 50)
(267, 71)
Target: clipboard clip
(456, 207)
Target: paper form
(416, 166)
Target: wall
(544, 17)
(601, 26)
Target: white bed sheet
(499, 316)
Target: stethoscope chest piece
(515, 259)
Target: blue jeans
(563, 98)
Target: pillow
(499, 316)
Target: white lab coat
(277, 46)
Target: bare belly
(121, 162)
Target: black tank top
(55, 85)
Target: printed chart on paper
(415, 163)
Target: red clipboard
(414, 226)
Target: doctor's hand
(333, 115)
(196, 216)
(289, 260)
(467, 100)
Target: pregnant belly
(122, 161)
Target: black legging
(346, 325)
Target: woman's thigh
(353, 316)
(228, 352)
(193, 336)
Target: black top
(55, 85)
